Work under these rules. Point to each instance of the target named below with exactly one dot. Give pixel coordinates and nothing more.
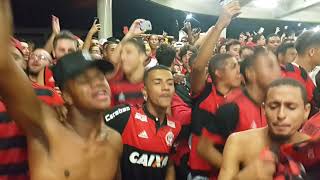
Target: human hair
(217, 62)
(138, 43)
(307, 40)
(157, 67)
(165, 55)
(272, 35)
(218, 49)
(184, 50)
(256, 38)
(289, 82)
(232, 42)
(283, 48)
(64, 35)
(244, 48)
(251, 60)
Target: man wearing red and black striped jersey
(242, 109)
(307, 46)
(225, 73)
(147, 134)
(13, 145)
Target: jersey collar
(155, 119)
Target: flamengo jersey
(298, 73)
(239, 113)
(146, 143)
(251, 115)
(312, 126)
(206, 104)
(13, 145)
(124, 92)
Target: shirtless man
(286, 108)
(80, 147)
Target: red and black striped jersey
(13, 145)
(206, 105)
(298, 73)
(124, 92)
(147, 143)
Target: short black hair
(138, 43)
(184, 50)
(64, 35)
(283, 48)
(307, 40)
(232, 42)
(256, 37)
(251, 60)
(219, 47)
(272, 35)
(157, 67)
(289, 82)
(110, 40)
(217, 62)
(165, 55)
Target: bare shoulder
(115, 139)
(247, 136)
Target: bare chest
(71, 158)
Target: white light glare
(316, 29)
(189, 16)
(299, 24)
(304, 29)
(270, 4)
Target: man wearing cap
(78, 148)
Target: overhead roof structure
(287, 10)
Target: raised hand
(95, 27)
(55, 25)
(229, 11)
(135, 28)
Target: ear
(307, 109)
(250, 74)
(311, 52)
(67, 98)
(145, 94)
(218, 73)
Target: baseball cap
(72, 65)
(17, 44)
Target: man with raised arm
(78, 148)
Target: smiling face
(38, 60)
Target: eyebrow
(159, 79)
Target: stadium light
(189, 16)
(270, 4)
(316, 29)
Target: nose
(281, 114)
(165, 87)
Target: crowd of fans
(153, 107)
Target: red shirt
(206, 105)
(124, 92)
(298, 73)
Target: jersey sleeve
(118, 117)
(225, 121)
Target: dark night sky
(77, 15)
